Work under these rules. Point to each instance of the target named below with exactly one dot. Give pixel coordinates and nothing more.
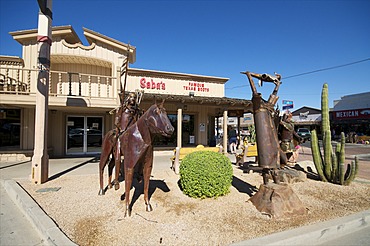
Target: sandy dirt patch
(89, 219)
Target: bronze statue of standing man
(266, 131)
(287, 134)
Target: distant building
(352, 114)
(306, 117)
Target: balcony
(18, 86)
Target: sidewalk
(324, 233)
(41, 229)
(15, 228)
(22, 221)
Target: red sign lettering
(196, 86)
(152, 85)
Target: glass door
(75, 134)
(188, 133)
(94, 128)
(84, 134)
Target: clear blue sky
(223, 38)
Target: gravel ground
(89, 219)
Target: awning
(236, 107)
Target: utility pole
(40, 158)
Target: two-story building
(84, 86)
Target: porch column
(116, 87)
(225, 137)
(40, 158)
(239, 140)
(179, 127)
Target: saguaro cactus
(330, 165)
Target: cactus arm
(341, 159)
(316, 155)
(342, 144)
(334, 172)
(353, 172)
(325, 109)
(341, 173)
(340, 166)
(328, 150)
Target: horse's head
(158, 121)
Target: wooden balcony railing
(14, 80)
(23, 81)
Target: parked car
(304, 133)
(76, 137)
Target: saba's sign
(352, 114)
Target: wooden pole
(225, 133)
(40, 158)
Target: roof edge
(138, 71)
(31, 34)
(92, 36)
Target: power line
(325, 69)
(314, 71)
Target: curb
(45, 226)
(315, 234)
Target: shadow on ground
(243, 187)
(139, 189)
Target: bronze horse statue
(136, 146)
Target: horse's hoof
(128, 213)
(110, 186)
(101, 192)
(116, 186)
(149, 207)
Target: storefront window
(188, 133)
(10, 130)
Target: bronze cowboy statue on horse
(132, 138)
(126, 115)
(136, 145)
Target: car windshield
(303, 130)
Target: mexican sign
(352, 114)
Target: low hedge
(205, 174)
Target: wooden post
(40, 158)
(225, 136)
(179, 127)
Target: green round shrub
(205, 174)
